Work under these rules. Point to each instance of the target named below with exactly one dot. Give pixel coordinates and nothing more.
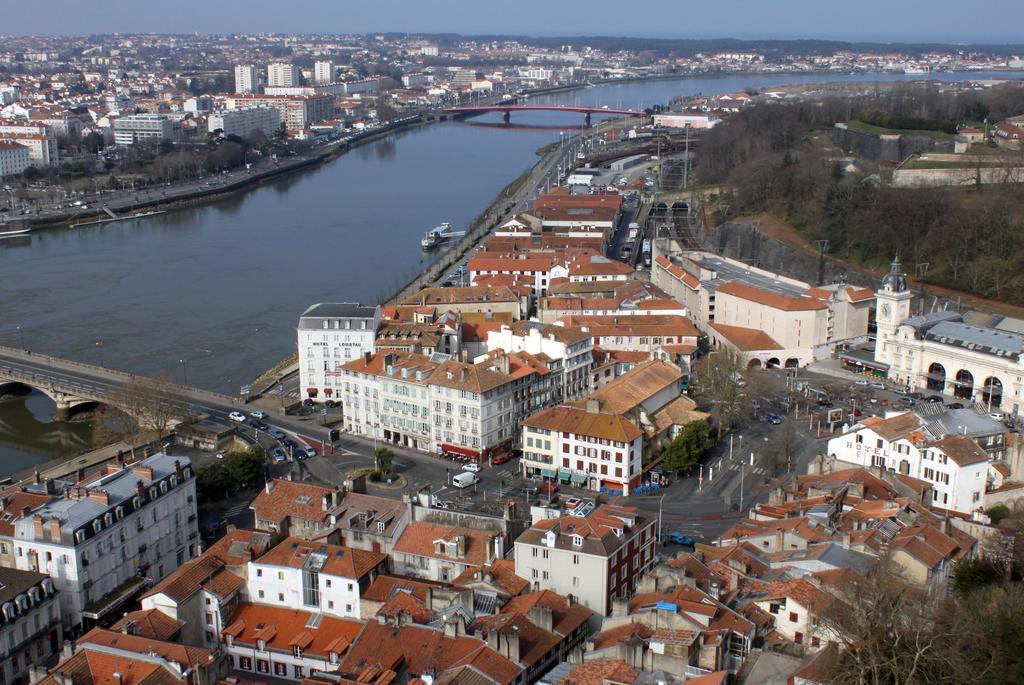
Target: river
(210, 295)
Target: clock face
(886, 310)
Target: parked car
(773, 418)
(258, 425)
(863, 382)
(276, 433)
(878, 386)
(909, 401)
(956, 405)
(237, 416)
(472, 467)
(307, 451)
(997, 415)
(502, 459)
(279, 456)
(573, 502)
(677, 538)
(258, 414)
(933, 398)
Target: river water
(211, 295)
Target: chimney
(101, 496)
(140, 489)
(35, 477)
(593, 406)
(460, 546)
(25, 511)
(117, 678)
(269, 487)
(846, 541)
(143, 472)
(128, 628)
(37, 522)
(178, 470)
(55, 529)
(428, 598)
(780, 538)
(542, 617)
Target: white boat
(915, 70)
(436, 235)
(8, 230)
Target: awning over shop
(328, 391)
(579, 478)
(564, 475)
(312, 392)
(549, 473)
(862, 360)
(461, 451)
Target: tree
(246, 468)
(780, 451)
(972, 574)
(146, 411)
(214, 482)
(383, 458)
(692, 442)
(718, 381)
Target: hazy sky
(897, 20)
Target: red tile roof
(295, 499)
(344, 562)
(614, 427)
(150, 623)
(284, 629)
(187, 656)
(746, 339)
(419, 537)
(770, 299)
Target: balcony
(115, 598)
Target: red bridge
(508, 109)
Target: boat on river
(438, 235)
(9, 229)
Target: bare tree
(780, 451)
(147, 410)
(719, 380)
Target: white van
(465, 479)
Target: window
(793, 617)
(330, 604)
(575, 581)
(327, 582)
(263, 666)
(259, 573)
(261, 594)
(281, 669)
(575, 558)
(798, 638)
(348, 608)
(245, 663)
(815, 642)
(280, 575)
(544, 575)
(350, 588)
(298, 671)
(280, 596)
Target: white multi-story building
(30, 626)
(14, 159)
(595, 555)
(584, 447)
(282, 74)
(470, 409)
(146, 128)
(955, 465)
(314, 577)
(330, 335)
(242, 122)
(246, 78)
(103, 539)
(571, 349)
(40, 142)
(323, 72)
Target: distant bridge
(507, 110)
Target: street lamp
(99, 346)
(184, 370)
(21, 335)
(660, 500)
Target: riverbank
(192, 195)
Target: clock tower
(892, 302)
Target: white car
(258, 414)
(472, 467)
(237, 416)
(863, 382)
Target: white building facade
(329, 336)
(242, 122)
(107, 538)
(246, 78)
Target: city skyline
(801, 20)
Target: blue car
(276, 433)
(677, 538)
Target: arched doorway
(792, 363)
(754, 364)
(936, 377)
(773, 363)
(992, 392)
(963, 386)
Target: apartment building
(491, 300)
(136, 129)
(442, 552)
(30, 623)
(323, 72)
(246, 78)
(330, 334)
(583, 447)
(568, 351)
(14, 159)
(242, 122)
(286, 643)
(296, 508)
(314, 576)
(538, 270)
(954, 465)
(42, 147)
(297, 111)
(104, 538)
(649, 334)
(283, 74)
(772, 320)
(594, 554)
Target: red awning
(461, 451)
(312, 391)
(328, 391)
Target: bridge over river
(507, 110)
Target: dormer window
(577, 540)
(297, 651)
(261, 645)
(96, 526)
(381, 526)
